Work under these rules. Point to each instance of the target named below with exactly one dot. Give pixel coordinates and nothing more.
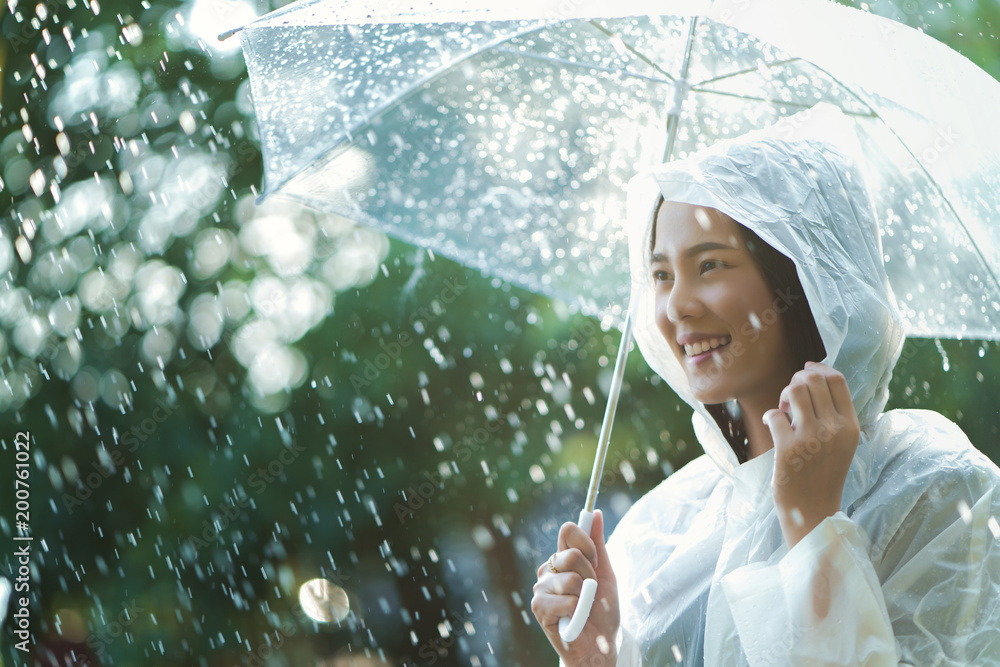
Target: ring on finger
(552, 565)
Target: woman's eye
(710, 264)
(662, 276)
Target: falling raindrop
(965, 512)
(702, 217)
(944, 355)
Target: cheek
(752, 311)
(663, 322)
(763, 328)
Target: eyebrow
(693, 251)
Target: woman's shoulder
(928, 479)
(919, 455)
(905, 438)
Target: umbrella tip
(229, 33)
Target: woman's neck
(758, 435)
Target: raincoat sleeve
(821, 604)
(627, 647)
(927, 592)
(628, 650)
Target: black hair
(806, 344)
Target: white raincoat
(912, 560)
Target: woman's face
(715, 308)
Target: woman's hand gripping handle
(576, 595)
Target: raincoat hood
(797, 187)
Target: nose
(679, 302)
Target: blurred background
(264, 436)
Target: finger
(571, 536)
(840, 394)
(816, 366)
(564, 583)
(803, 410)
(597, 535)
(554, 565)
(785, 399)
(544, 567)
(783, 403)
(568, 561)
(820, 393)
(777, 422)
(548, 608)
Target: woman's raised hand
(580, 556)
(815, 431)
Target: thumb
(597, 535)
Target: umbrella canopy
(502, 137)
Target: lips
(704, 345)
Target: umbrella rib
(589, 66)
(750, 98)
(748, 70)
(631, 49)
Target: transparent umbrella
(502, 137)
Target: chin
(710, 383)
(709, 392)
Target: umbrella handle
(570, 628)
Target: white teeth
(703, 346)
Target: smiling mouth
(703, 346)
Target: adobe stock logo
(101, 639)
(416, 496)
(231, 509)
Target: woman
(816, 529)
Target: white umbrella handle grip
(570, 628)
